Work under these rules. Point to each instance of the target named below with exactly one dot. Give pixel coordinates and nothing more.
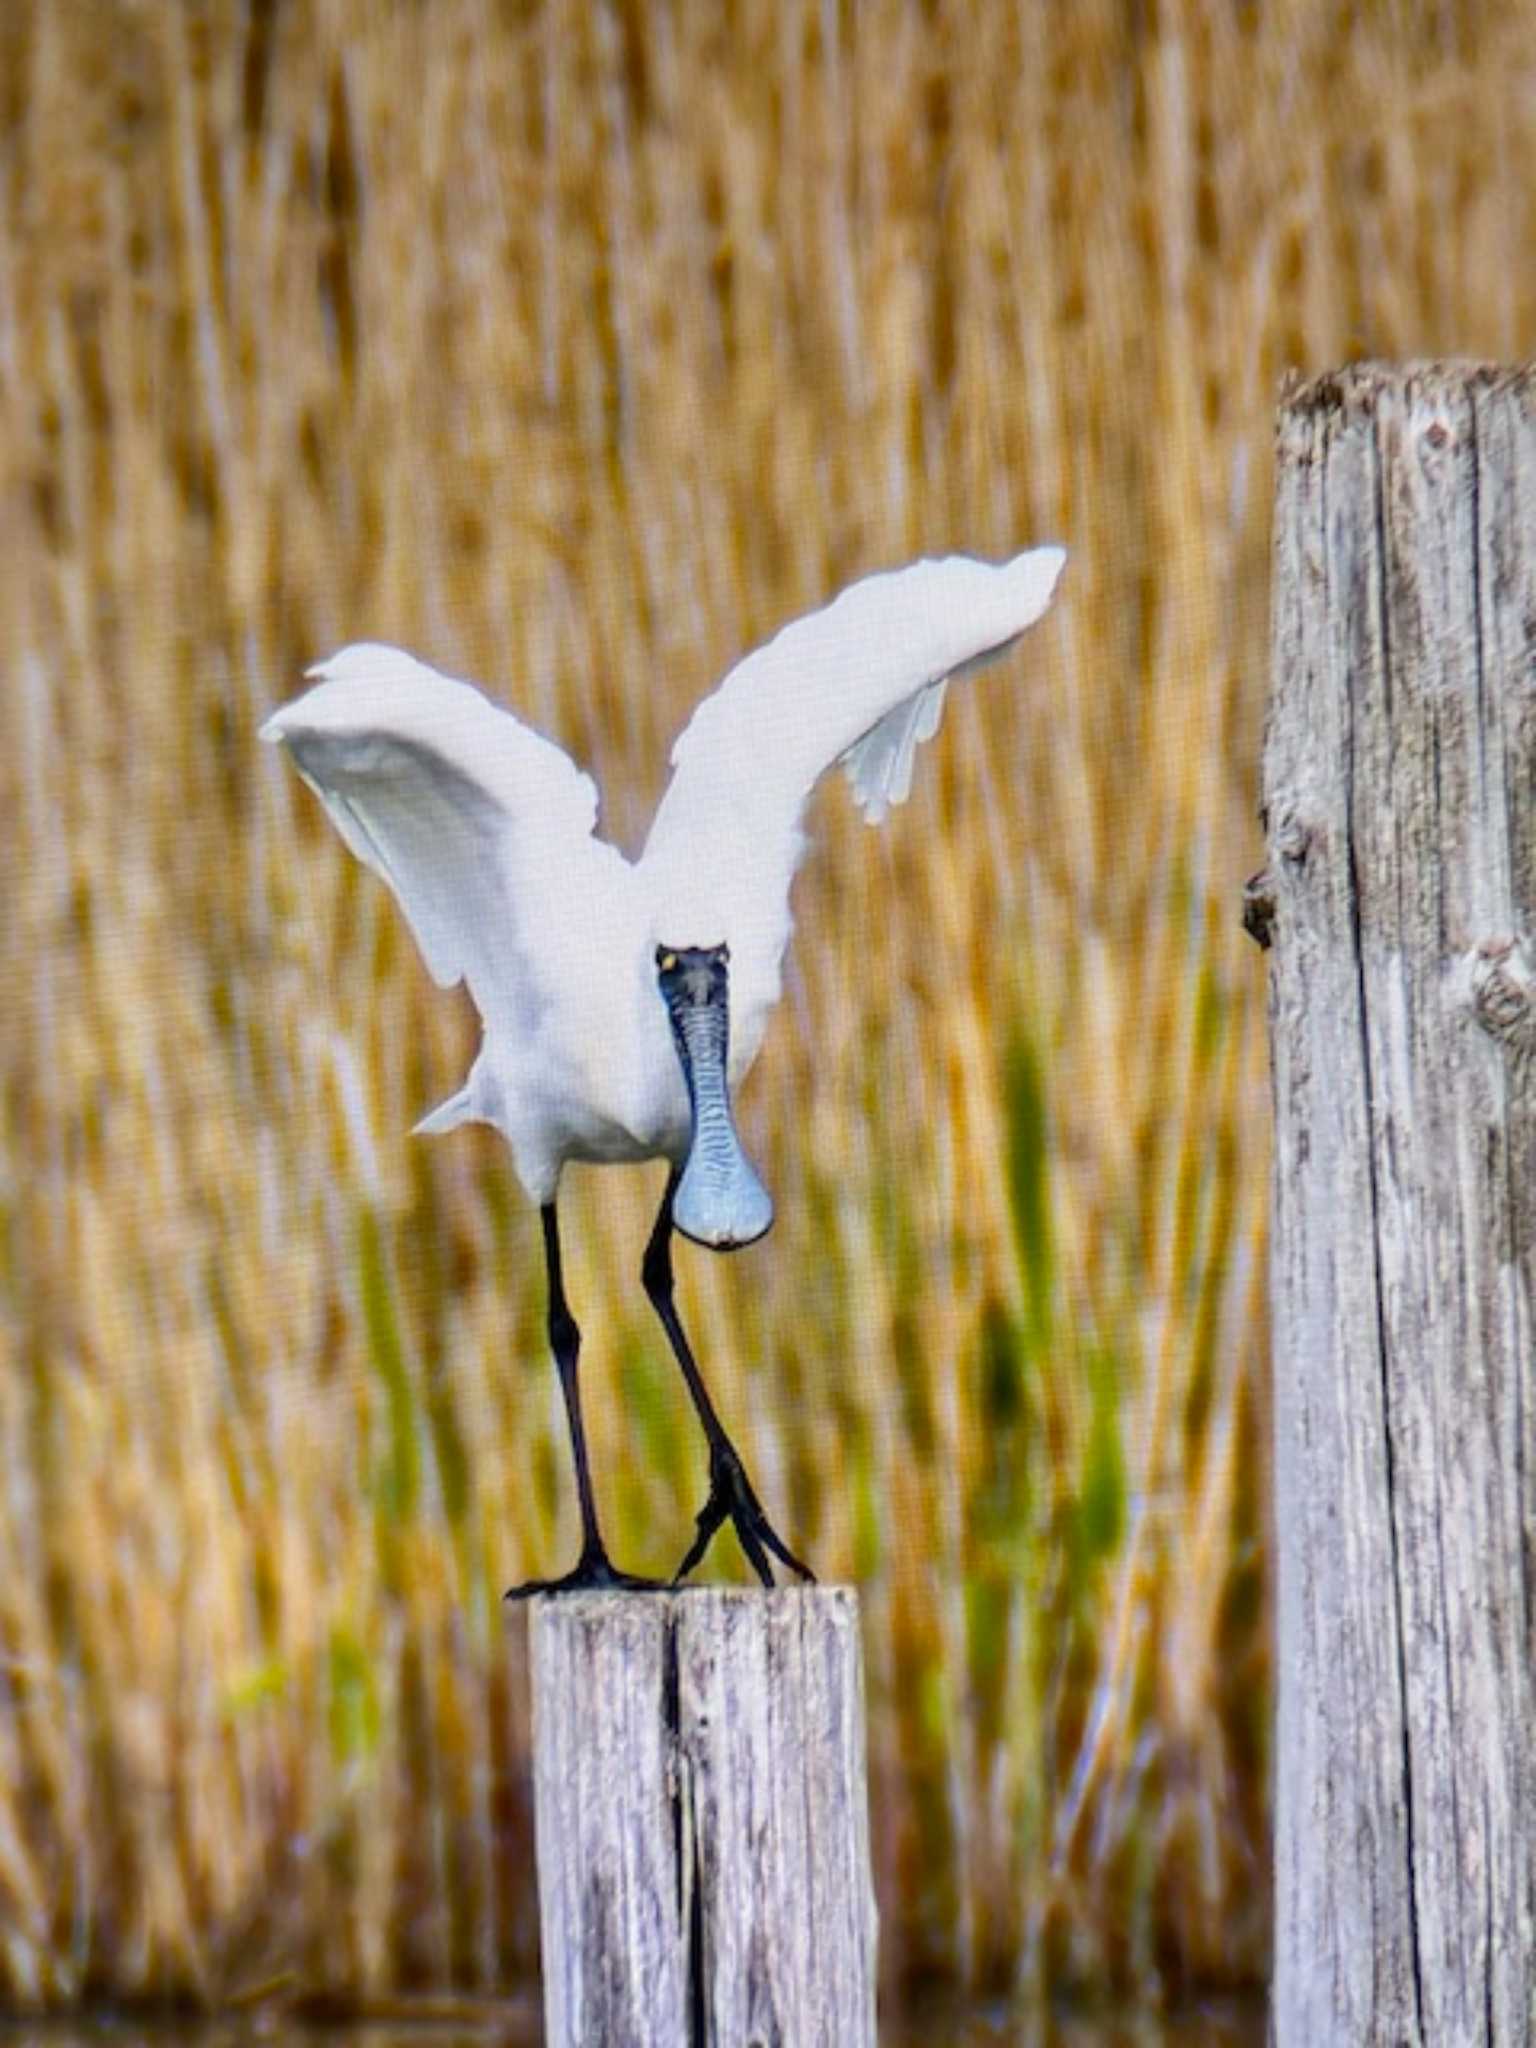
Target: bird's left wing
(861, 682)
(470, 817)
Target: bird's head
(720, 1201)
(693, 977)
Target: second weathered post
(1400, 793)
(702, 1820)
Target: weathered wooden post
(702, 1820)
(1400, 803)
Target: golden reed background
(577, 346)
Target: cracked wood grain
(702, 1820)
(1400, 806)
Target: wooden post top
(703, 1817)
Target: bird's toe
(731, 1498)
(595, 1572)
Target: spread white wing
(861, 682)
(478, 825)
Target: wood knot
(1502, 980)
(1292, 840)
(1259, 908)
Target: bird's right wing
(473, 820)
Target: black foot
(595, 1573)
(731, 1497)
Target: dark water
(516, 2024)
(1217, 2025)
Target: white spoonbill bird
(621, 1001)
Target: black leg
(594, 1569)
(730, 1491)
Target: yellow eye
(665, 961)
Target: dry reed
(576, 347)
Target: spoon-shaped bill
(720, 1201)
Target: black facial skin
(692, 975)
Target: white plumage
(483, 830)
